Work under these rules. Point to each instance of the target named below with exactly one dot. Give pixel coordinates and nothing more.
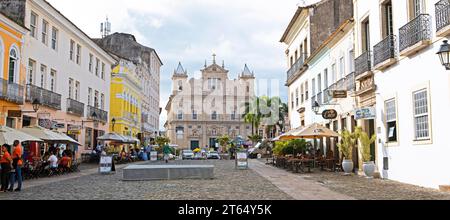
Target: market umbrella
(9, 135)
(42, 133)
(289, 135)
(315, 131)
(111, 137)
(66, 138)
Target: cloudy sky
(190, 31)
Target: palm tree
(223, 141)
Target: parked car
(187, 155)
(213, 155)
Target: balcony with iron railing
(313, 101)
(100, 115)
(363, 64)
(443, 18)
(295, 68)
(11, 92)
(75, 107)
(415, 35)
(45, 97)
(319, 98)
(350, 82)
(385, 53)
(327, 96)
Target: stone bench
(167, 172)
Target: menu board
(242, 160)
(106, 164)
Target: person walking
(6, 164)
(167, 152)
(17, 167)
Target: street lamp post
(36, 105)
(113, 123)
(444, 55)
(316, 108)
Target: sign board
(153, 156)
(14, 113)
(242, 160)
(58, 125)
(365, 113)
(45, 123)
(74, 132)
(339, 94)
(73, 127)
(106, 164)
(330, 114)
(301, 110)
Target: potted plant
(346, 148)
(366, 142)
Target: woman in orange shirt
(6, 163)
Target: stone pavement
(294, 185)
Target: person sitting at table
(64, 162)
(53, 160)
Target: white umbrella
(9, 135)
(111, 137)
(66, 138)
(41, 133)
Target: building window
(391, 120)
(342, 67)
(296, 97)
(194, 115)
(13, 66)
(53, 80)
(314, 87)
(91, 62)
(89, 97)
(33, 24)
(351, 61)
(72, 48)
(44, 32)
(102, 101)
(78, 54)
(96, 99)
(31, 71)
(305, 43)
(365, 28)
(302, 92)
(71, 88)
(97, 66)
(333, 73)
(180, 115)
(416, 7)
(421, 115)
(43, 76)
(292, 101)
(103, 71)
(77, 91)
(180, 85)
(325, 78)
(306, 91)
(233, 115)
(388, 24)
(54, 38)
(319, 83)
(214, 116)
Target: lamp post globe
(36, 105)
(316, 107)
(444, 54)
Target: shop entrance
(195, 145)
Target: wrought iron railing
(327, 96)
(340, 85)
(417, 30)
(11, 92)
(75, 107)
(442, 14)
(101, 115)
(385, 50)
(319, 98)
(296, 67)
(45, 97)
(363, 63)
(350, 81)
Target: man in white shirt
(53, 160)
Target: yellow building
(12, 72)
(125, 100)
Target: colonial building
(202, 110)
(398, 50)
(67, 73)
(135, 86)
(12, 70)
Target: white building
(413, 88)
(67, 73)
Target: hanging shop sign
(339, 94)
(330, 114)
(366, 113)
(14, 113)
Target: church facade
(202, 110)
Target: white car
(187, 155)
(213, 155)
